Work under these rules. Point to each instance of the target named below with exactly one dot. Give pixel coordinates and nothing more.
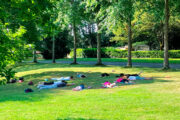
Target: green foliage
(71, 12)
(8, 73)
(19, 23)
(139, 43)
(116, 53)
(3, 81)
(12, 45)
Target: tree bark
(34, 56)
(75, 42)
(99, 62)
(129, 63)
(53, 50)
(89, 38)
(166, 28)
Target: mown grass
(136, 60)
(156, 99)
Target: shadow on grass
(93, 79)
(18, 94)
(15, 92)
(34, 66)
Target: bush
(174, 53)
(79, 53)
(116, 53)
(8, 73)
(147, 54)
(3, 82)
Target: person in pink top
(122, 79)
(119, 80)
(107, 84)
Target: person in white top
(63, 78)
(54, 85)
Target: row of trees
(121, 13)
(24, 22)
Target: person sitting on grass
(62, 83)
(122, 79)
(79, 88)
(63, 78)
(107, 84)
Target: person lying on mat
(79, 88)
(122, 79)
(107, 84)
(62, 83)
(63, 78)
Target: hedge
(116, 53)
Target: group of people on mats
(62, 81)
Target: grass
(136, 60)
(156, 99)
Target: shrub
(116, 53)
(3, 82)
(174, 53)
(8, 73)
(79, 53)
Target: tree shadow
(93, 79)
(15, 92)
(34, 66)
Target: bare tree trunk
(53, 50)
(34, 56)
(99, 62)
(89, 38)
(75, 42)
(166, 27)
(129, 64)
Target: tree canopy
(24, 24)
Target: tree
(122, 13)
(71, 15)
(160, 9)
(166, 31)
(97, 11)
(16, 19)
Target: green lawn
(138, 60)
(156, 99)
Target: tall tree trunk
(99, 62)
(166, 27)
(90, 34)
(34, 56)
(129, 63)
(75, 42)
(53, 50)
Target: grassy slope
(156, 99)
(138, 60)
